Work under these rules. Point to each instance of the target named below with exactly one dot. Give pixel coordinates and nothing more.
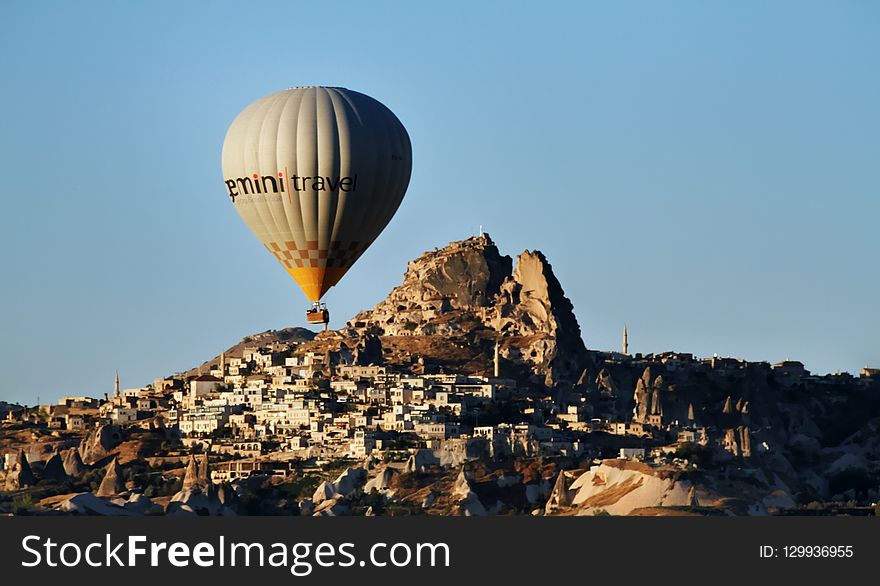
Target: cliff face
(99, 442)
(532, 306)
(439, 290)
(468, 288)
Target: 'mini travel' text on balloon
(270, 184)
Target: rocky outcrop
(20, 474)
(54, 469)
(346, 483)
(201, 496)
(649, 396)
(467, 287)
(467, 502)
(113, 483)
(350, 480)
(86, 503)
(738, 441)
(139, 504)
(560, 496)
(197, 475)
(226, 495)
(204, 477)
(532, 305)
(460, 277)
(619, 487)
(198, 502)
(269, 338)
(324, 491)
(191, 475)
(332, 507)
(381, 482)
(462, 487)
(368, 351)
(73, 464)
(642, 399)
(99, 442)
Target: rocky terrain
(285, 337)
(714, 436)
(467, 291)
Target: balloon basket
(318, 314)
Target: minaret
(116, 386)
(222, 364)
(625, 341)
(497, 357)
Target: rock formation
(191, 475)
(54, 469)
(198, 502)
(642, 400)
(113, 482)
(20, 474)
(324, 491)
(73, 464)
(197, 475)
(738, 441)
(531, 304)
(332, 507)
(226, 495)
(86, 503)
(349, 480)
(560, 497)
(99, 442)
(410, 466)
(728, 406)
(460, 277)
(368, 351)
(618, 487)
(692, 499)
(381, 482)
(462, 487)
(346, 483)
(469, 286)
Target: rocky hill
(7, 407)
(454, 306)
(468, 290)
(806, 436)
(283, 338)
(705, 436)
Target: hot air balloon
(316, 173)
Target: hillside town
(467, 391)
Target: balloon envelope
(316, 173)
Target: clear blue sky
(705, 172)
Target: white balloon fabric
(316, 173)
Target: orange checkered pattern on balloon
(339, 255)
